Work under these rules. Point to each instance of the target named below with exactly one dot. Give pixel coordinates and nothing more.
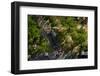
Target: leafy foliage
(36, 43)
(71, 34)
